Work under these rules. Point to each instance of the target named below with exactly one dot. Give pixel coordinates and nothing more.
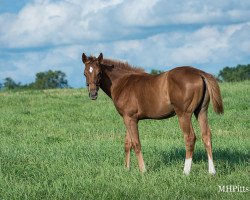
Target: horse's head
(92, 72)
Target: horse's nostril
(93, 95)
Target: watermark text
(232, 188)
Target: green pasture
(58, 144)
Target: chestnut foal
(137, 95)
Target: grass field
(58, 144)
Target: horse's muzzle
(93, 95)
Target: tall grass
(58, 144)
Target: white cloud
(50, 23)
(151, 34)
(70, 22)
(209, 46)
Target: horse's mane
(120, 65)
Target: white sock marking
(211, 168)
(91, 69)
(187, 166)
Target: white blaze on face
(90, 69)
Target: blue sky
(38, 35)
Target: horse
(137, 95)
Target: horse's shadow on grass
(225, 159)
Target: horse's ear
(84, 58)
(100, 58)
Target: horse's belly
(156, 111)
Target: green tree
(155, 71)
(232, 74)
(10, 84)
(50, 79)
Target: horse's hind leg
(206, 137)
(189, 136)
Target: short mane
(120, 65)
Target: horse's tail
(214, 92)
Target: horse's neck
(108, 79)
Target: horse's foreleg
(132, 128)
(128, 146)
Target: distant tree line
(232, 74)
(44, 80)
(155, 71)
(227, 74)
